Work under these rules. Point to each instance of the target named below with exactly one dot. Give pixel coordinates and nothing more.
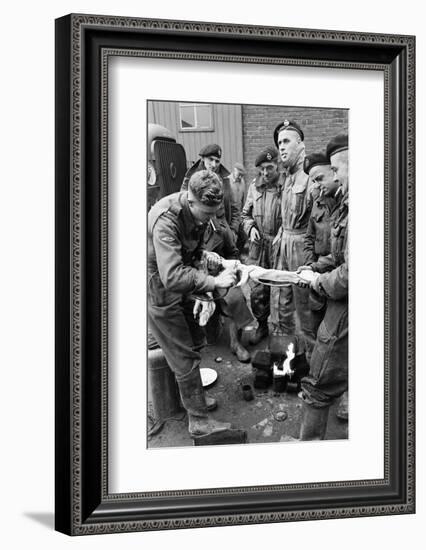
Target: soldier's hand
(303, 267)
(225, 279)
(214, 261)
(307, 277)
(254, 235)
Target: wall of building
(259, 122)
(227, 130)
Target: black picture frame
(83, 46)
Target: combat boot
(314, 423)
(194, 400)
(237, 349)
(260, 333)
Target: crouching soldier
(261, 219)
(221, 237)
(176, 225)
(328, 376)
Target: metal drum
(162, 388)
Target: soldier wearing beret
(261, 219)
(328, 376)
(296, 204)
(176, 225)
(221, 237)
(210, 159)
(317, 238)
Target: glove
(203, 310)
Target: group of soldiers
(293, 220)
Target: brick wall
(318, 125)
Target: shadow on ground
(47, 519)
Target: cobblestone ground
(261, 418)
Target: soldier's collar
(190, 222)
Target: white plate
(208, 376)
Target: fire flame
(290, 357)
(285, 369)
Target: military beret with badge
(288, 125)
(269, 154)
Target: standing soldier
(221, 237)
(328, 375)
(238, 185)
(317, 237)
(227, 217)
(239, 190)
(261, 219)
(288, 244)
(176, 225)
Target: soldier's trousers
(171, 321)
(328, 375)
(290, 308)
(260, 253)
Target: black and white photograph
(247, 269)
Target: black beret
(288, 125)
(211, 150)
(269, 154)
(337, 144)
(314, 159)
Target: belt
(294, 231)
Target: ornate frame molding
(86, 507)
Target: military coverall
(328, 376)
(296, 205)
(262, 211)
(239, 190)
(317, 245)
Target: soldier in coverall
(317, 237)
(296, 207)
(176, 225)
(328, 375)
(261, 219)
(239, 189)
(221, 237)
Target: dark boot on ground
(194, 400)
(314, 423)
(342, 409)
(237, 349)
(260, 333)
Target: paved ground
(257, 417)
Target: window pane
(204, 116)
(187, 117)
